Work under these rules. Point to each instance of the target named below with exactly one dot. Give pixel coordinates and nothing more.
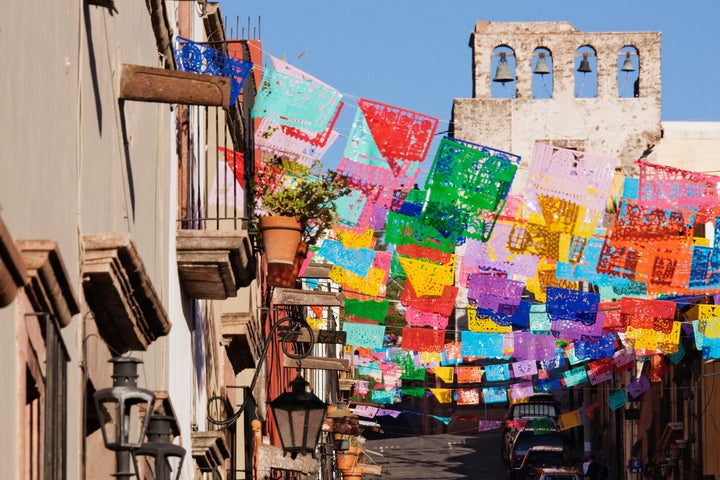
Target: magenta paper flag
(399, 134)
(361, 387)
(226, 190)
(638, 386)
(367, 411)
(522, 390)
(525, 368)
(382, 412)
(580, 178)
(485, 425)
(278, 140)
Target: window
(44, 416)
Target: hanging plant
(284, 188)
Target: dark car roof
(527, 438)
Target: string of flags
(584, 274)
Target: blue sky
(416, 54)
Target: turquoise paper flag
(497, 373)
(294, 102)
(617, 399)
(494, 395)
(575, 376)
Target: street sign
(635, 465)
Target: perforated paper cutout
(484, 324)
(357, 261)
(480, 344)
(466, 189)
(579, 177)
(364, 335)
(428, 279)
(668, 187)
(472, 374)
(422, 339)
(494, 395)
(199, 58)
(467, 396)
(419, 318)
(399, 134)
(294, 102)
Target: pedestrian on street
(594, 470)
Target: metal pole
(122, 464)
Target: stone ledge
(128, 312)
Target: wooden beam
(150, 84)
(307, 298)
(323, 336)
(319, 363)
(317, 270)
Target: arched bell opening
(628, 72)
(542, 68)
(503, 64)
(586, 74)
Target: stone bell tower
(611, 117)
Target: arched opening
(542, 68)
(628, 70)
(586, 74)
(503, 64)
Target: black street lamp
(299, 416)
(119, 409)
(159, 455)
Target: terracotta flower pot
(354, 474)
(280, 237)
(346, 461)
(284, 275)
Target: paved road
(440, 456)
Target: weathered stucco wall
(606, 125)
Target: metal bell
(628, 65)
(584, 64)
(541, 66)
(503, 73)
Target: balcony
(242, 340)
(214, 264)
(209, 450)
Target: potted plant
(299, 201)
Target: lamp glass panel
(316, 417)
(109, 420)
(133, 427)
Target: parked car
(524, 423)
(529, 438)
(544, 456)
(557, 474)
(536, 406)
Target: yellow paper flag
(443, 395)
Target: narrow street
(439, 456)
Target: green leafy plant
(287, 189)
